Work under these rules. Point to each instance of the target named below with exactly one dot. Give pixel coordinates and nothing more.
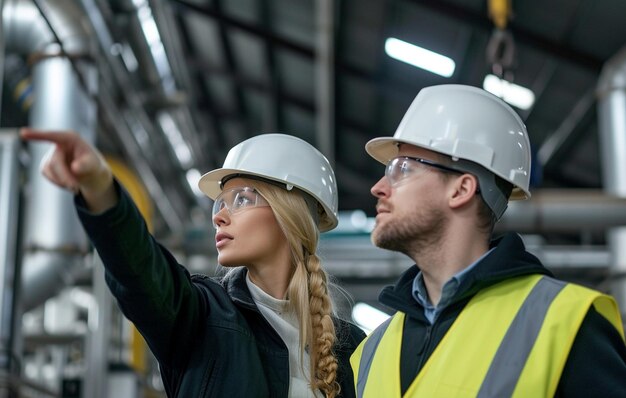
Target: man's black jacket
(596, 366)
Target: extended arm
(153, 290)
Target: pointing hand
(75, 165)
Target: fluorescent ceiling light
(368, 317)
(420, 57)
(518, 96)
(175, 139)
(157, 49)
(193, 176)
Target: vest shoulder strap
(367, 355)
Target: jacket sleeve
(349, 336)
(152, 289)
(596, 366)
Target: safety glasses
(404, 167)
(238, 199)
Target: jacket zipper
(423, 351)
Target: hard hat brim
(209, 184)
(383, 149)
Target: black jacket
(596, 366)
(208, 335)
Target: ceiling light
(368, 317)
(420, 57)
(193, 176)
(518, 96)
(175, 138)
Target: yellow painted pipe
(139, 194)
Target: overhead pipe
(611, 93)
(548, 210)
(54, 241)
(2, 52)
(9, 208)
(133, 132)
(565, 210)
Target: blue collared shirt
(447, 292)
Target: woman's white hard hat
(287, 160)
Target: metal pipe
(9, 207)
(612, 129)
(570, 210)
(2, 52)
(24, 29)
(54, 240)
(27, 32)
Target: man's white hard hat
(470, 124)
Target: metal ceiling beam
(397, 91)
(117, 76)
(276, 120)
(215, 13)
(325, 75)
(300, 102)
(203, 98)
(387, 14)
(564, 136)
(231, 63)
(169, 29)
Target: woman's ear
(463, 190)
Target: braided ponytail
(307, 290)
(320, 307)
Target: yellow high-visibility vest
(511, 340)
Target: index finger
(57, 137)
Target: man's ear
(463, 190)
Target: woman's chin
(229, 265)
(227, 261)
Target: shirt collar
(420, 293)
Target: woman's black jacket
(208, 335)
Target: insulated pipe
(612, 130)
(2, 52)
(570, 210)
(54, 240)
(9, 207)
(27, 32)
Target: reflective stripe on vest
(368, 355)
(511, 339)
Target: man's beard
(412, 234)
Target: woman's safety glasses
(404, 167)
(238, 199)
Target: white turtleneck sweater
(286, 325)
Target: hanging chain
(501, 47)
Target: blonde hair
(308, 289)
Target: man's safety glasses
(238, 199)
(403, 167)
